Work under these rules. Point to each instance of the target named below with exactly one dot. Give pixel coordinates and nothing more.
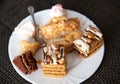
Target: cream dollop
(26, 31)
(57, 10)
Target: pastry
(54, 61)
(60, 28)
(57, 31)
(90, 41)
(26, 62)
(29, 46)
(68, 41)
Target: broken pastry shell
(29, 46)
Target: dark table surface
(105, 14)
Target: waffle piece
(26, 62)
(89, 42)
(54, 70)
(54, 61)
(29, 46)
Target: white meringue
(57, 10)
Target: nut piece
(89, 35)
(88, 40)
(58, 55)
(61, 61)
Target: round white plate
(78, 69)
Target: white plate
(78, 69)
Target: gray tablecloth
(105, 13)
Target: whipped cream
(27, 30)
(57, 10)
(54, 58)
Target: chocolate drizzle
(53, 54)
(45, 57)
(62, 52)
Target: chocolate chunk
(26, 62)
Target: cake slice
(29, 46)
(89, 42)
(54, 61)
(26, 62)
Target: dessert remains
(54, 61)
(90, 41)
(26, 61)
(61, 30)
(62, 35)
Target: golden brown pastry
(61, 30)
(29, 46)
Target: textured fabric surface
(105, 14)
